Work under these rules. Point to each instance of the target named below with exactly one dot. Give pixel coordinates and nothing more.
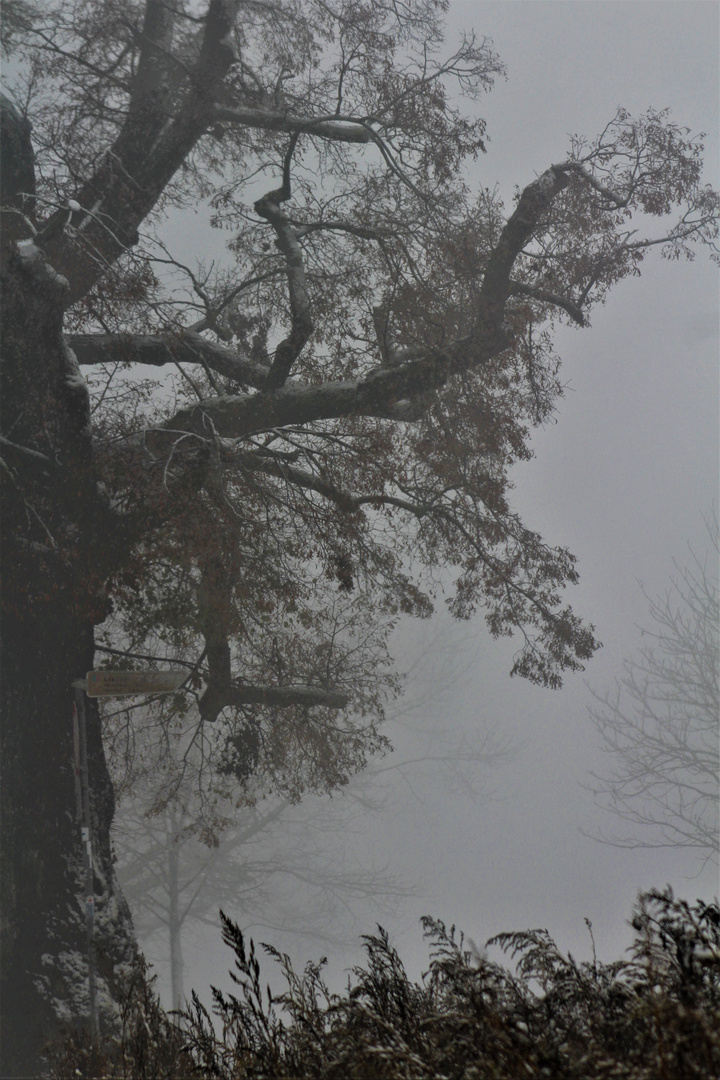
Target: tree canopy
(343, 392)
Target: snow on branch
(157, 350)
(325, 127)
(287, 695)
(218, 698)
(291, 346)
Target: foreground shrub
(654, 1016)
(148, 1043)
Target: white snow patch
(75, 380)
(54, 276)
(546, 182)
(27, 249)
(74, 377)
(29, 252)
(74, 205)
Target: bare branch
(362, 231)
(520, 288)
(26, 454)
(287, 695)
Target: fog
(622, 479)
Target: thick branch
(386, 392)
(291, 346)
(156, 350)
(287, 695)
(574, 166)
(211, 705)
(17, 173)
(17, 163)
(156, 72)
(133, 174)
(236, 416)
(270, 120)
(533, 204)
(394, 393)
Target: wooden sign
(120, 683)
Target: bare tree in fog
(660, 725)
(279, 867)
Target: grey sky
(621, 479)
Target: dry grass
(654, 1016)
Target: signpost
(103, 684)
(119, 683)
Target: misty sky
(622, 479)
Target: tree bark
(56, 553)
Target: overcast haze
(622, 479)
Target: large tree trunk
(54, 572)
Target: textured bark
(54, 564)
(17, 175)
(62, 543)
(44, 956)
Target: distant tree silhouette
(660, 725)
(272, 863)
